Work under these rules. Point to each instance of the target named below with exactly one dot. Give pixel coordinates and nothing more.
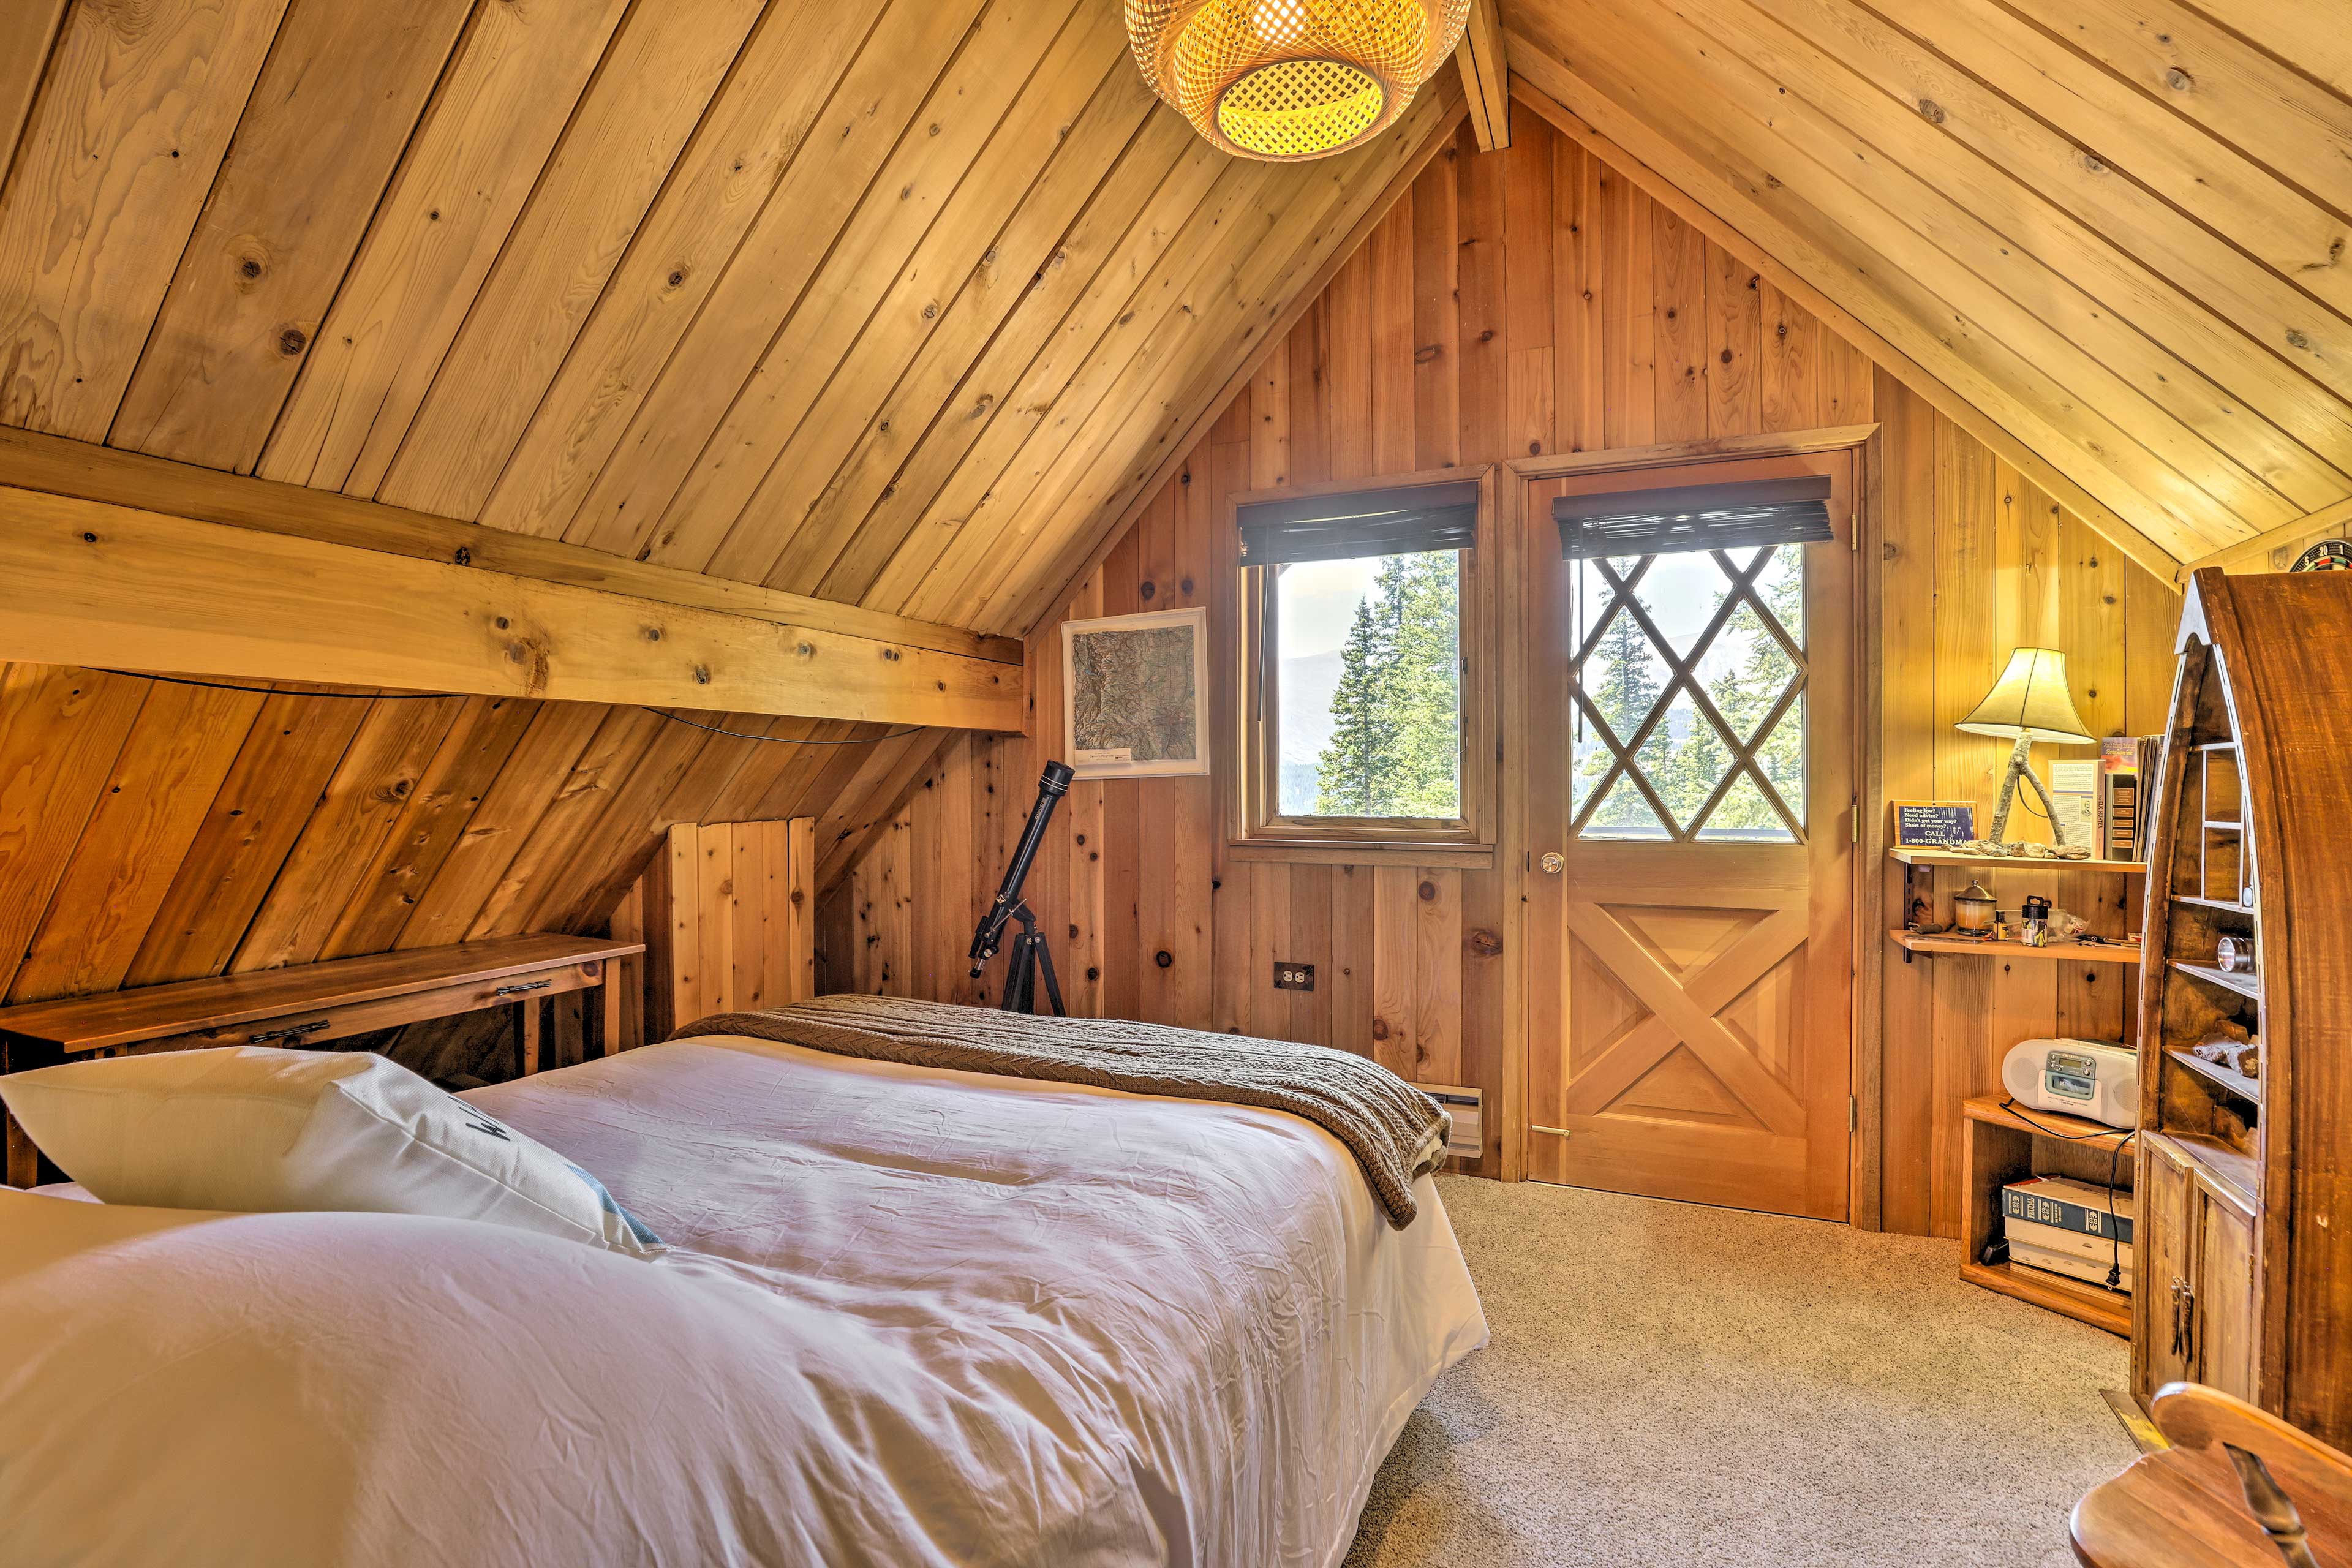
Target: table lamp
(2028, 703)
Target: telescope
(1030, 955)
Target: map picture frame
(1121, 694)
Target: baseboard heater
(1463, 1105)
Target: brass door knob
(1552, 863)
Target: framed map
(1135, 694)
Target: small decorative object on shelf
(2010, 851)
(1972, 911)
(1934, 824)
(2245, 1053)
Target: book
(2092, 1271)
(2075, 786)
(2100, 1249)
(2068, 1205)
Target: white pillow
(255, 1130)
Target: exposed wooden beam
(1487, 74)
(2254, 554)
(94, 583)
(58, 466)
(1534, 84)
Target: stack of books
(2075, 1228)
(2127, 763)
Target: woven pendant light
(1285, 79)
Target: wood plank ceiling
(904, 304)
(2117, 227)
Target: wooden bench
(312, 1004)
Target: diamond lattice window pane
(1781, 587)
(1743, 814)
(1624, 675)
(1589, 758)
(1686, 758)
(1595, 593)
(1623, 813)
(1782, 757)
(1745, 670)
(1679, 593)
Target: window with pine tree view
(1368, 659)
(1690, 697)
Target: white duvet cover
(911, 1318)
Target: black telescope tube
(1052, 786)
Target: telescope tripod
(1031, 957)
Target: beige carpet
(1679, 1386)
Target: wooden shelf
(2217, 745)
(2220, 906)
(2227, 1079)
(2076, 1299)
(2087, 953)
(2231, 825)
(2245, 986)
(2081, 1130)
(1913, 857)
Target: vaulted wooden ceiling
(896, 304)
(2116, 229)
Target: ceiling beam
(30, 461)
(1487, 74)
(1545, 85)
(2258, 553)
(97, 584)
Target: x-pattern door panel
(1691, 998)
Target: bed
(910, 1316)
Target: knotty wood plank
(171, 765)
(1390, 253)
(818, 196)
(800, 900)
(1680, 261)
(248, 829)
(1735, 346)
(1437, 977)
(135, 110)
(1576, 285)
(27, 31)
(441, 450)
(431, 823)
(360, 805)
(317, 145)
(1350, 960)
(99, 582)
(1396, 944)
(504, 100)
(61, 732)
(1436, 315)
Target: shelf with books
(2002, 1144)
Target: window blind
(1695, 516)
(1406, 520)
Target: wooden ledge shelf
(2087, 953)
(2076, 1299)
(2219, 906)
(1911, 857)
(2228, 1081)
(1997, 1147)
(2246, 985)
(1990, 1108)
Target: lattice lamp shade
(1285, 80)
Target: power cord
(2115, 1158)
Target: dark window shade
(1695, 516)
(1408, 521)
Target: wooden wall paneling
(1576, 294)
(717, 907)
(1436, 319)
(1788, 383)
(171, 764)
(289, 756)
(440, 452)
(1396, 937)
(431, 822)
(26, 33)
(281, 226)
(1438, 976)
(356, 813)
(61, 732)
(798, 846)
(1482, 355)
(1392, 369)
(1529, 195)
(718, 188)
(89, 240)
(504, 101)
(554, 836)
(1679, 272)
(1311, 889)
(1629, 317)
(881, 270)
(1735, 346)
(736, 325)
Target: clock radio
(2081, 1077)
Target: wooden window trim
(1256, 832)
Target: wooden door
(1692, 800)
(2225, 1298)
(2164, 1271)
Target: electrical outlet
(1294, 976)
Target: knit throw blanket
(1394, 1131)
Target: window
(1364, 610)
(1689, 666)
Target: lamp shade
(1285, 80)
(2030, 699)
